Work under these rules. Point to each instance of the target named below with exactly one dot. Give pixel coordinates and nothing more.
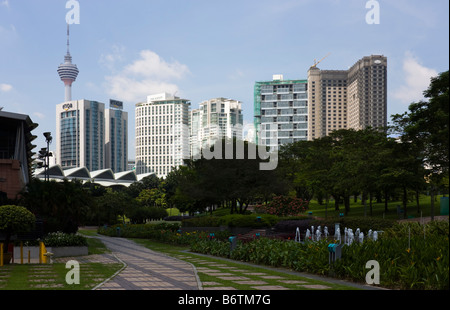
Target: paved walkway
(145, 269)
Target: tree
(15, 219)
(63, 206)
(426, 124)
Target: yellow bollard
(42, 251)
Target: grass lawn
(53, 276)
(378, 209)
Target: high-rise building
(344, 99)
(68, 72)
(281, 112)
(116, 137)
(16, 152)
(162, 134)
(215, 119)
(80, 134)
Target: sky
(204, 49)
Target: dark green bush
(254, 221)
(202, 221)
(60, 239)
(363, 223)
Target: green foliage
(255, 221)
(163, 232)
(284, 206)
(60, 239)
(202, 221)
(363, 223)
(415, 229)
(65, 205)
(14, 219)
(425, 265)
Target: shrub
(425, 265)
(284, 206)
(177, 218)
(202, 221)
(254, 221)
(430, 229)
(15, 219)
(363, 223)
(290, 226)
(60, 239)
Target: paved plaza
(144, 269)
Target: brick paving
(145, 269)
(148, 270)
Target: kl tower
(67, 71)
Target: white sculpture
(318, 234)
(325, 231)
(337, 235)
(308, 235)
(361, 237)
(297, 235)
(351, 236)
(375, 235)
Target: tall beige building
(344, 99)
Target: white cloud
(5, 88)
(148, 75)
(5, 3)
(111, 60)
(39, 115)
(417, 80)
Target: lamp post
(48, 139)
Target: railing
(44, 256)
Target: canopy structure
(105, 177)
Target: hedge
(232, 220)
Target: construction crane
(318, 62)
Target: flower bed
(405, 263)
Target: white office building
(162, 134)
(215, 119)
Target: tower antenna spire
(67, 71)
(68, 39)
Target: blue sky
(203, 49)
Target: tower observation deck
(68, 72)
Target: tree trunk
(347, 204)
(336, 202)
(370, 203)
(417, 201)
(386, 198)
(364, 202)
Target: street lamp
(48, 139)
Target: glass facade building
(82, 130)
(281, 112)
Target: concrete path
(145, 269)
